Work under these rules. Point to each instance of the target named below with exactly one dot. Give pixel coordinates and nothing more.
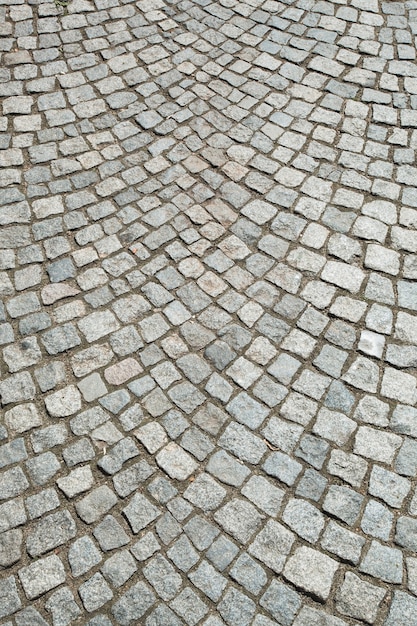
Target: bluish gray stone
(239, 518)
(222, 552)
(383, 562)
(163, 577)
(61, 604)
(83, 555)
(236, 608)
(119, 568)
(50, 532)
(247, 572)
(247, 411)
(403, 611)
(95, 592)
(210, 582)
(133, 604)
(281, 602)
(9, 597)
(110, 534)
(343, 503)
(42, 576)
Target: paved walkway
(209, 323)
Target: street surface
(208, 314)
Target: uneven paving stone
(281, 602)
(10, 600)
(10, 547)
(42, 576)
(65, 402)
(119, 568)
(133, 604)
(272, 545)
(189, 606)
(359, 599)
(50, 532)
(83, 555)
(312, 571)
(239, 518)
(29, 616)
(13, 482)
(95, 504)
(176, 462)
(94, 593)
(383, 563)
(163, 578)
(62, 606)
(140, 512)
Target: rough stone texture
(359, 599)
(176, 462)
(9, 598)
(208, 318)
(42, 576)
(50, 532)
(312, 571)
(65, 402)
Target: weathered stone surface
(64, 402)
(96, 504)
(10, 547)
(42, 576)
(50, 532)
(176, 462)
(10, 601)
(312, 571)
(58, 291)
(140, 512)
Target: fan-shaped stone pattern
(208, 312)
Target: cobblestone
(359, 599)
(303, 563)
(42, 576)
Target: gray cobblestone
(388, 486)
(402, 609)
(249, 573)
(359, 599)
(299, 570)
(42, 576)
(95, 504)
(83, 555)
(119, 568)
(383, 562)
(62, 606)
(110, 534)
(343, 503)
(342, 542)
(281, 540)
(95, 592)
(29, 616)
(281, 602)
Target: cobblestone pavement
(208, 255)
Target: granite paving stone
(10, 600)
(62, 606)
(303, 563)
(359, 599)
(42, 576)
